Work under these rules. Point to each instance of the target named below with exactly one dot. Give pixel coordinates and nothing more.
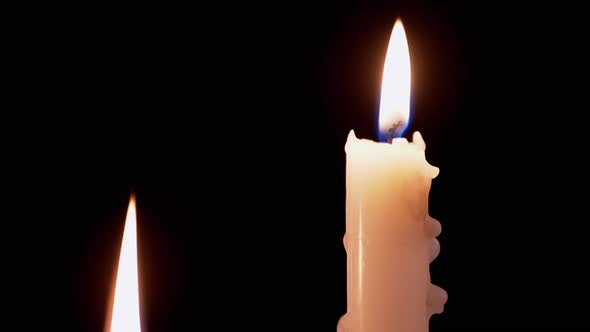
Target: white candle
(390, 239)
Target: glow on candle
(394, 108)
(125, 312)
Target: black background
(229, 124)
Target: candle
(125, 308)
(390, 239)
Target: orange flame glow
(125, 312)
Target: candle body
(387, 245)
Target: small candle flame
(394, 109)
(125, 313)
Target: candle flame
(394, 109)
(125, 313)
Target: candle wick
(394, 130)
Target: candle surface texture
(390, 239)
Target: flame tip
(132, 198)
(399, 24)
(125, 313)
